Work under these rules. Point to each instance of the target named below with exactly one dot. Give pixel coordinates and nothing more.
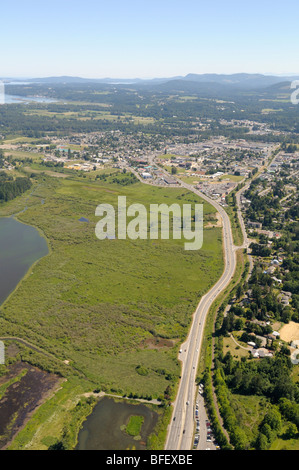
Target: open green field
(249, 411)
(191, 179)
(109, 306)
(234, 178)
(283, 443)
(86, 115)
(22, 155)
(236, 351)
(17, 139)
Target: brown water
(102, 429)
(22, 397)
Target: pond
(20, 247)
(104, 428)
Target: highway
(180, 433)
(181, 428)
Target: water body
(20, 246)
(14, 99)
(102, 429)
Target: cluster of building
(217, 190)
(254, 127)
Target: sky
(148, 38)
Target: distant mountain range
(240, 80)
(190, 82)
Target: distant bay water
(14, 99)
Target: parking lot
(203, 438)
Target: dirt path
(103, 394)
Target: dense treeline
(173, 114)
(269, 378)
(124, 179)
(10, 188)
(14, 120)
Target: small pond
(104, 428)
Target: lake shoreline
(31, 267)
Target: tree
(290, 410)
(239, 324)
(240, 291)
(273, 419)
(239, 439)
(291, 431)
(262, 442)
(268, 432)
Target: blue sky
(148, 38)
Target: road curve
(181, 428)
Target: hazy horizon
(35, 77)
(150, 39)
